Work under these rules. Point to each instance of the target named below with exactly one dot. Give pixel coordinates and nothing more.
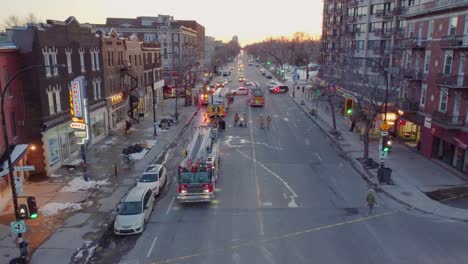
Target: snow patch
(79, 184)
(286, 119)
(138, 156)
(53, 208)
(151, 143)
(111, 141)
(55, 175)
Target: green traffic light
(386, 149)
(33, 216)
(349, 111)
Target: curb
(111, 217)
(366, 174)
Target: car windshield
(149, 177)
(195, 177)
(130, 208)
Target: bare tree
(12, 21)
(31, 19)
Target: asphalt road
(285, 195)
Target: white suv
(134, 211)
(154, 177)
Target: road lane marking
(257, 185)
(318, 156)
(257, 243)
(307, 141)
(170, 206)
(151, 248)
(285, 183)
(267, 204)
(285, 196)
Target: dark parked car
(279, 89)
(269, 76)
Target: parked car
(239, 91)
(279, 89)
(272, 84)
(154, 177)
(268, 76)
(134, 211)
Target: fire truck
(218, 103)
(256, 97)
(198, 171)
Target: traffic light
(349, 104)
(33, 213)
(268, 62)
(22, 211)
(386, 143)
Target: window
(112, 58)
(50, 99)
(13, 124)
(443, 98)
(130, 59)
(7, 79)
(410, 30)
(362, 11)
(141, 63)
(68, 53)
(452, 26)
(373, 44)
(96, 53)
(352, 12)
(82, 60)
(57, 99)
(54, 61)
(108, 58)
(448, 61)
(47, 61)
(95, 89)
(427, 60)
(408, 60)
(430, 29)
(338, 6)
(373, 27)
(99, 89)
(91, 53)
(422, 99)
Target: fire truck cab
(198, 171)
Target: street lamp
(23, 253)
(155, 133)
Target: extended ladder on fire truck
(198, 171)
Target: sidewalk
(73, 213)
(412, 173)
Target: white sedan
(154, 177)
(272, 84)
(238, 91)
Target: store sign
(460, 143)
(77, 125)
(117, 98)
(76, 100)
(427, 122)
(81, 134)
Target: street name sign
(18, 227)
(24, 168)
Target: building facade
(178, 43)
(209, 52)
(46, 90)
(14, 118)
(435, 63)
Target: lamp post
(155, 133)
(23, 253)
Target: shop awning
(17, 153)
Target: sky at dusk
(250, 20)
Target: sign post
(18, 227)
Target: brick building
(436, 88)
(46, 90)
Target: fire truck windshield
(195, 177)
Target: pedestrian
(370, 200)
(268, 121)
(128, 125)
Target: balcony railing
(388, 14)
(454, 42)
(451, 121)
(407, 105)
(353, 4)
(352, 19)
(379, 13)
(399, 10)
(414, 43)
(411, 74)
(452, 81)
(377, 31)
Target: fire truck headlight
(183, 191)
(206, 191)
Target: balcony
(414, 43)
(448, 121)
(388, 14)
(379, 51)
(412, 75)
(452, 81)
(407, 105)
(352, 4)
(352, 19)
(454, 42)
(339, 11)
(379, 13)
(397, 11)
(377, 32)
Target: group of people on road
(243, 120)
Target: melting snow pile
(138, 155)
(79, 184)
(53, 208)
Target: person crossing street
(268, 119)
(261, 121)
(370, 200)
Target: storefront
(99, 126)
(19, 157)
(118, 111)
(408, 132)
(450, 147)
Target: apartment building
(370, 29)
(436, 81)
(178, 43)
(46, 90)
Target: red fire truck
(198, 171)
